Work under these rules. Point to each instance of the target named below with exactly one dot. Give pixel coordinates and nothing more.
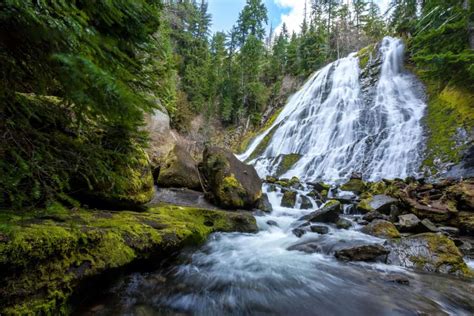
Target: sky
(225, 13)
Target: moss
(449, 109)
(264, 143)
(382, 229)
(365, 55)
(289, 199)
(42, 260)
(364, 205)
(354, 185)
(286, 162)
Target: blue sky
(225, 12)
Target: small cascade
(333, 128)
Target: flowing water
(338, 128)
(336, 131)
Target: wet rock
(373, 215)
(397, 278)
(306, 203)
(319, 229)
(327, 214)
(466, 223)
(363, 253)
(408, 223)
(394, 213)
(272, 223)
(380, 203)
(382, 229)
(289, 199)
(450, 231)
(466, 246)
(320, 186)
(343, 223)
(179, 170)
(264, 203)
(428, 252)
(298, 232)
(356, 186)
(231, 183)
(463, 194)
(362, 222)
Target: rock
(179, 170)
(463, 194)
(372, 215)
(343, 223)
(289, 199)
(320, 186)
(408, 223)
(397, 278)
(428, 226)
(264, 203)
(356, 186)
(319, 229)
(466, 223)
(450, 231)
(428, 252)
(298, 232)
(466, 246)
(356, 175)
(362, 222)
(382, 229)
(382, 203)
(231, 184)
(363, 253)
(272, 223)
(394, 213)
(329, 213)
(306, 203)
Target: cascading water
(336, 129)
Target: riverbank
(46, 254)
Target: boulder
(428, 227)
(320, 186)
(329, 213)
(289, 199)
(319, 229)
(264, 204)
(382, 229)
(298, 232)
(408, 223)
(466, 223)
(428, 252)
(272, 223)
(231, 184)
(449, 231)
(463, 194)
(363, 253)
(372, 215)
(306, 203)
(380, 203)
(354, 185)
(343, 223)
(179, 170)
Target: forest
(79, 163)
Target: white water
(339, 129)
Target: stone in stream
(264, 204)
(306, 203)
(272, 223)
(298, 232)
(289, 199)
(354, 185)
(372, 215)
(343, 223)
(329, 213)
(397, 278)
(363, 253)
(428, 252)
(382, 229)
(320, 186)
(319, 229)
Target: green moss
(230, 192)
(364, 205)
(286, 162)
(365, 55)
(449, 108)
(354, 185)
(42, 259)
(264, 143)
(382, 229)
(289, 199)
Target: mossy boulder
(264, 204)
(130, 188)
(382, 229)
(466, 223)
(428, 252)
(329, 213)
(44, 255)
(289, 199)
(354, 185)
(380, 203)
(179, 170)
(231, 184)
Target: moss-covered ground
(45, 254)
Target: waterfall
(333, 127)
